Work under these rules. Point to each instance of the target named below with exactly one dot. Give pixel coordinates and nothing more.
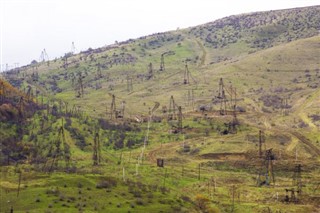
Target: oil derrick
(129, 84)
(114, 112)
(79, 88)
(233, 97)
(120, 113)
(233, 103)
(179, 127)
(172, 109)
(155, 107)
(269, 167)
(190, 99)
(73, 48)
(284, 106)
(146, 138)
(2, 91)
(113, 107)
(35, 76)
(73, 78)
(292, 198)
(222, 98)
(296, 189)
(267, 175)
(150, 72)
(261, 140)
(21, 108)
(29, 93)
(162, 66)
(296, 179)
(65, 61)
(61, 149)
(233, 124)
(186, 79)
(99, 74)
(43, 56)
(16, 65)
(164, 110)
(96, 150)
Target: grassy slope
(247, 64)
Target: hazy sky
(29, 26)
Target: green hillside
(98, 123)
